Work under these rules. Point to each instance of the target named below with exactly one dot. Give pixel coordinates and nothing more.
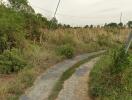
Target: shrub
(66, 50)
(110, 79)
(11, 61)
(131, 46)
(119, 60)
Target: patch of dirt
(6, 78)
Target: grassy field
(106, 85)
(45, 53)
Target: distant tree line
(112, 25)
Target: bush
(131, 46)
(111, 77)
(11, 61)
(119, 60)
(66, 50)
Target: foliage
(16, 26)
(129, 24)
(53, 24)
(11, 61)
(120, 60)
(112, 25)
(120, 24)
(107, 86)
(11, 28)
(66, 50)
(21, 5)
(86, 26)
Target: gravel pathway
(76, 87)
(45, 83)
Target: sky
(82, 12)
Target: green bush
(111, 77)
(66, 50)
(120, 60)
(131, 46)
(11, 61)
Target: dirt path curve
(45, 83)
(76, 87)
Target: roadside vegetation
(111, 78)
(28, 45)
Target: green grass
(66, 75)
(105, 86)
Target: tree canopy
(21, 5)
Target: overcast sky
(81, 12)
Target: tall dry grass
(84, 40)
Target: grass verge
(106, 86)
(66, 75)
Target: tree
(17, 4)
(53, 24)
(66, 26)
(129, 24)
(11, 28)
(60, 25)
(21, 5)
(91, 26)
(86, 26)
(120, 25)
(112, 25)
